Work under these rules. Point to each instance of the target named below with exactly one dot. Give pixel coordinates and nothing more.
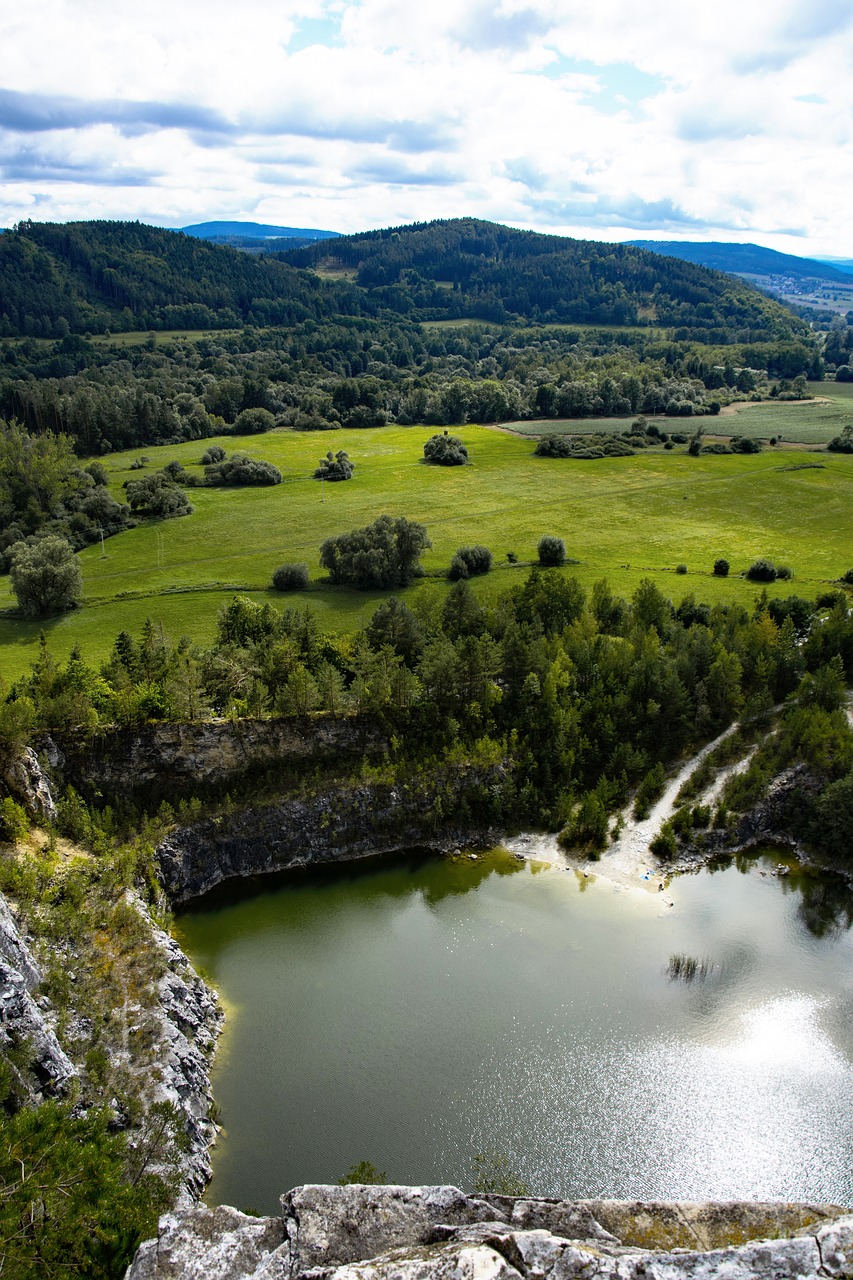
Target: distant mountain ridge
(90, 276)
(254, 231)
(745, 259)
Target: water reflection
(415, 1014)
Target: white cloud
(729, 121)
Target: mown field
(621, 518)
(794, 422)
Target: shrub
(14, 823)
(847, 577)
(761, 571)
(784, 572)
(290, 577)
(45, 577)
(721, 568)
(681, 568)
(380, 555)
(335, 466)
(554, 447)
(214, 453)
(470, 561)
(552, 551)
(664, 845)
(446, 450)
(157, 495)
(649, 790)
(240, 469)
(252, 421)
(842, 443)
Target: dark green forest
(316, 353)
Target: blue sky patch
(311, 31)
(623, 86)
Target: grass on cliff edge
(621, 518)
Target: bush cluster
(335, 466)
(157, 495)
(551, 551)
(380, 555)
(468, 562)
(240, 469)
(445, 450)
(763, 570)
(290, 577)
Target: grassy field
(138, 339)
(623, 518)
(796, 422)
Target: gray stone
(24, 1019)
(440, 1262)
(835, 1241)
(342, 823)
(27, 781)
(331, 1225)
(438, 1233)
(704, 1225)
(207, 1244)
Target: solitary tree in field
(446, 450)
(46, 577)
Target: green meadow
(621, 518)
(803, 422)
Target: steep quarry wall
(342, 824)
(439, 1233)
(168, 759)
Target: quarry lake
(417, 1013)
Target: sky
(605, 119)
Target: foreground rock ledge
(439, 1233)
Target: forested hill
(745, 259)
(464, 267)
(92, 276)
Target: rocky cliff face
(171, 759)
(28, 1040)
(438, 1233)
(185, 1021)
(344, 823)
(188, 1021)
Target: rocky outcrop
(167, 759)
(27, 782)
(771, 821)
(439, 1233)
(188, 1021)
(342, 824)
(182, 1026)
(41, 1068)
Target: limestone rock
(27, 781)
(207, 1244)
(342, 823)
(439, 1233)
(835, 1241)
(330, 1225)
(165, 758)
(14, 950)
(23, 1027)
(188, 1020)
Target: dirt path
(627, 861)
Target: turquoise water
(414, 1015)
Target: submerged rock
(438, 1233)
